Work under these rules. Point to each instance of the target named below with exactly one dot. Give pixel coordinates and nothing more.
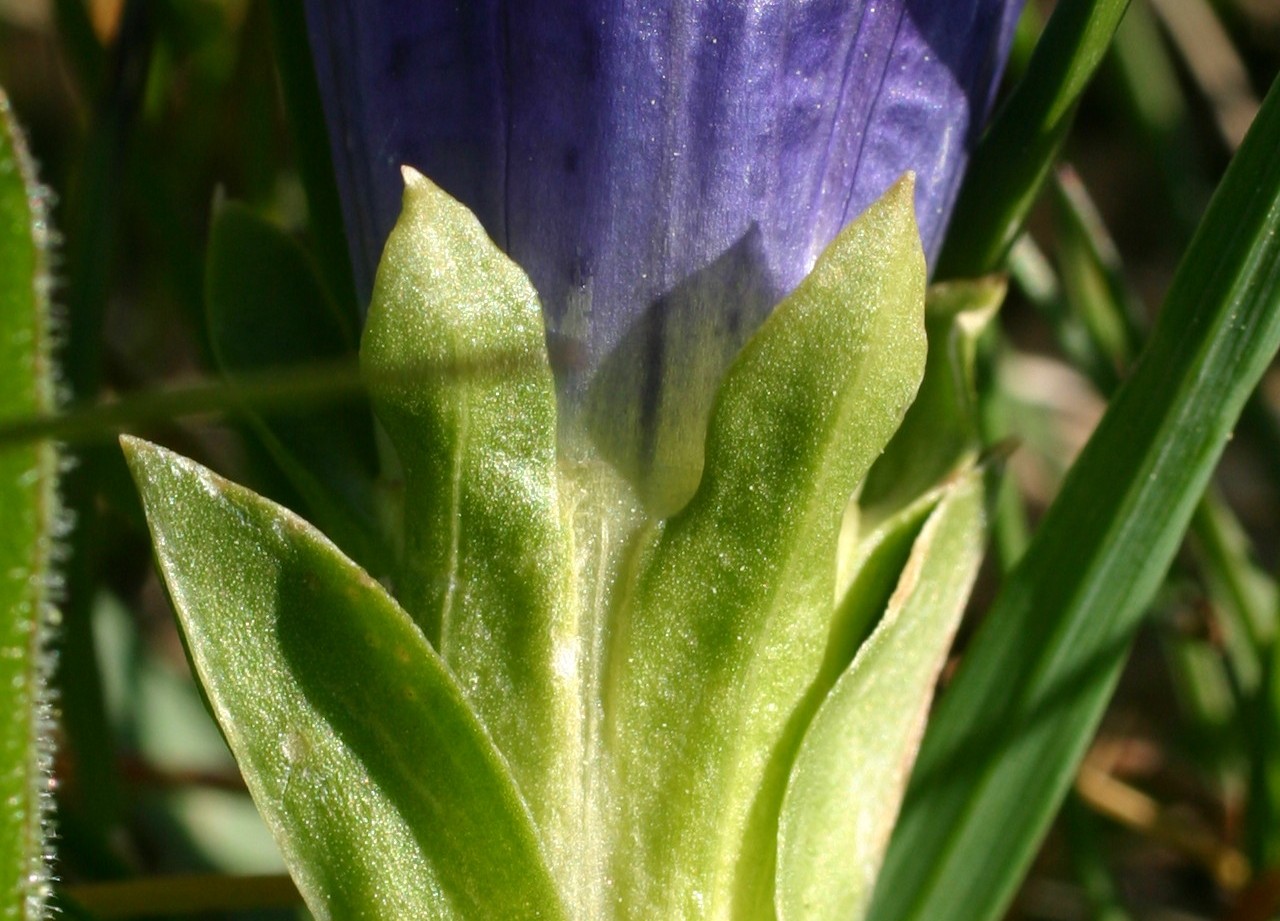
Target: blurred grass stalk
(1099, 326)
(28, 533)
(92, 221)
(1098, 322)
(1004, 743)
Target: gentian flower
(617, 150)
(579, 705)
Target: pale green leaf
(939, 435)
(455, 359)
(724, 626)
(386, 796)
(852, 767)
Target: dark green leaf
(1019, 148)
(1006, 738)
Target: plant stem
(157, 895)
(279, 390)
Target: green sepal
(647, 406)
(941, 431)
(455, 359)
(725, 622)
(939, 436)
(850, 773)
(867, 573)
(384, 792)
(29, 522)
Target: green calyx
(573, 708)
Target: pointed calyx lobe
(726, 624)
(384, 792)
(456, 363)
(714, 637)
(621, 747)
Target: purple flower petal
(617, 149)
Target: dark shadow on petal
(969, 39)
(932, 105)
(647, 406)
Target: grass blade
(1011, 163)
(1006, 738)
(28, 520)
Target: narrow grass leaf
(1006, 738)
(1154, 104)
(311, 145)
(384, 792)
(1093, 283)
(1243, 597)
(1015, 155)
(1094, 288)
(28, 521)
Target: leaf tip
(135, 450)
(900, 202)
(426, 205)
(412, 178)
